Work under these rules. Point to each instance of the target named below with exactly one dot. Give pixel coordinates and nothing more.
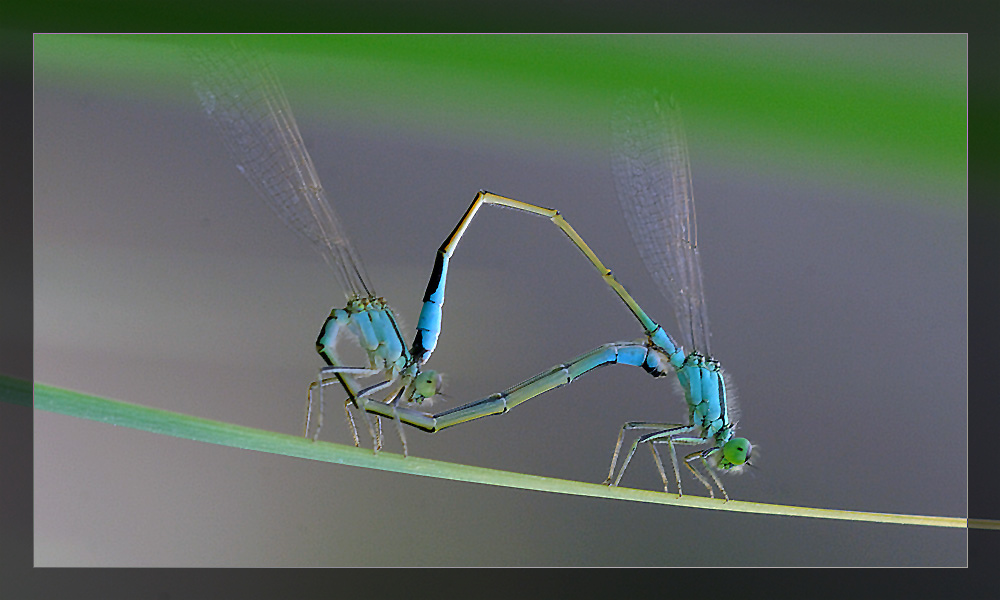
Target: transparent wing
(244, 99)
(653, 180)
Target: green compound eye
(427, 384)
(737, 451)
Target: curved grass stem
(76, 404)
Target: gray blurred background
(838, 302)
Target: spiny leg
(628, 458)
(618, 445)
(701, 478)
(614, 456)
(364, 402)
(356, 398)
(318, 385)
(399, 429)
(321, 381)
(375, 431)
(321, 412)
(355, 371)
(708, 469)
(715, 478)
(671, 439)
(673, 461)
(669, 436)
(378, 434)
(399, 424)
(350, 421)
(361, 400)
(309, 411)
(659, 467)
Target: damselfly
(244, 99)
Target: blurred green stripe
(833, 106)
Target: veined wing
(244, 99)
(653, 179)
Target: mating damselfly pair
(243, 97)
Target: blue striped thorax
(705, 392)
(372, 322)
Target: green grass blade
(75, 404)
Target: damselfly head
(427, 384)
(735, 454)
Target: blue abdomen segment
(429, 321)
(601, 355)
(660, 338)
(635, 356)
